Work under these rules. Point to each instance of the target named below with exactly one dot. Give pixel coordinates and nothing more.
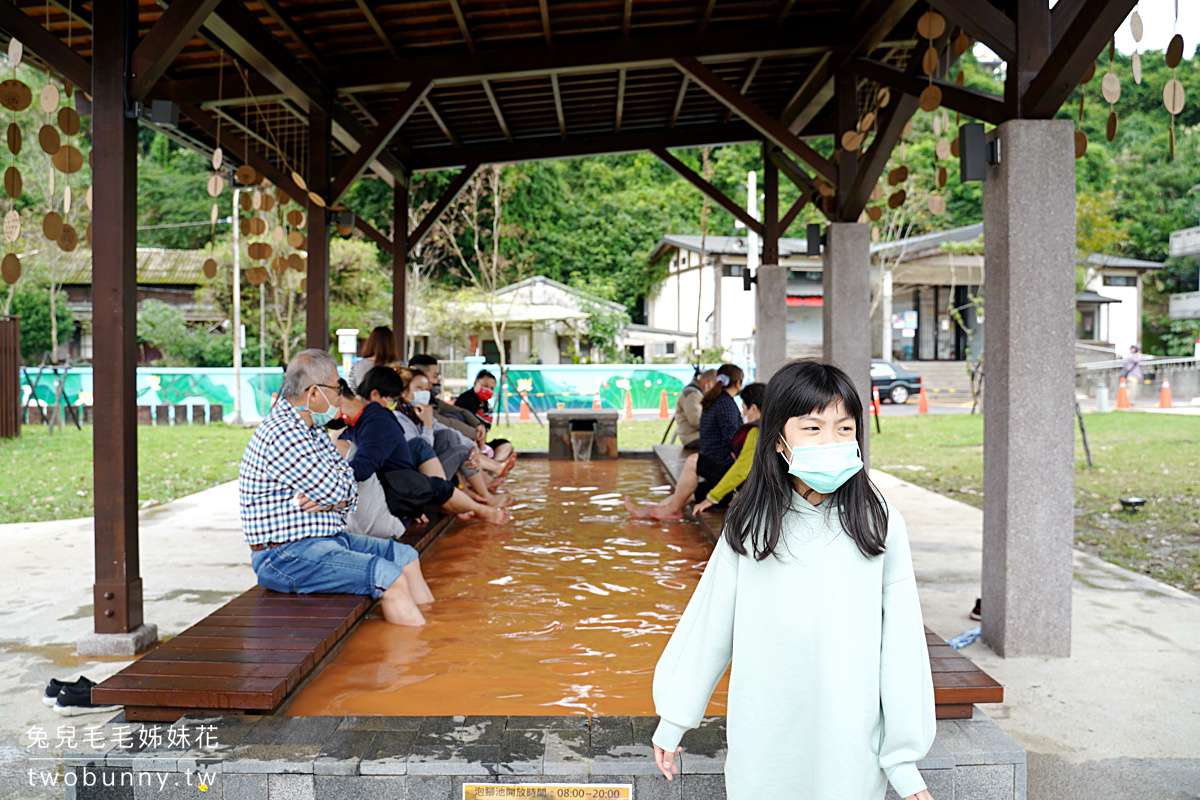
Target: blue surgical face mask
(321, 418)
(421, 397)
(824, 467)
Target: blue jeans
(421, 450)
(342, 564)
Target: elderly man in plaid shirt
(295, 491)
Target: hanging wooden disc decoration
(68, 121)
(299, 181)
(824, 187)
(218, 158)
(929, 61)
(1081, 144)
(897, 199)
(245, 202)
(52, 225)
(267, 203)
(278, 234)
(48, 98)
(281, 197)
(15, 52)
(961, 44)
(244, 226)
(883, 97)
(1110, 131)
(279, 264)
(210, 268)
(316, 199)
(256, 200)
(1175, 51)
(10, 267)
(12, 225)
(931, 98)
(67, 199)
(214, 214)
(296, 262)
(874, 213)
(68, 239)
(954, 147)
(1135, 26)
(246, 175)
(12, 182)
(15, 139)
(1110, 87)
(876, 193)
(852, 140)
(256, 276)
(345, 230)
(88, 234)
(1137, 68)
(216, 185)
(942, 176)
(936, 204)
(265, 251)
(303, 285)
(49, 139)
(961, 78)
(897, 176)
(867, 122)
(1087, 76)
(937, 125)
(15, 95)
(906, 131)
(1173, 96)
(295, 239)
(68, 159)
(258, 226)
(252, 250)
(68, 88)
(295, 218)
(931, 25)
(942, 149)
(87, 200)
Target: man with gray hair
(687, 408)
(295, 491)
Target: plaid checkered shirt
(286, 456)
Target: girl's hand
(703, 505)
(666, 762)
(921, 795)
(425, 414)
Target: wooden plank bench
(957, 683)
(248, 655)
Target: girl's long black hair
(756, 513)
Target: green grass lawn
(532, 436)
(1150, 455)
(49, 475)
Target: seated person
(379, 351)
(382, 448)
(460, 419)
(295, 491)
(476, 400)
(688, 411)
(688, 487)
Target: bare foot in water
(496, 516)
(500, 500)
(508, 465)
(635, 512)
(466, 515)
(495, 484)
(663, 512)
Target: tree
(34, 309)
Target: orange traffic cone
(524, 415)
(663, 411)
(876, 403)
(1164, 394)
(628, 417)
(922, 402)
(596, 406)
(1123, 396)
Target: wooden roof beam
(972, 102)
(378, 139)
(763, 122)
(1076, 51)
(713, 193)
(48, 47)
(558, 105)
(373, 21)
(448, 196)
(491, 96)
(441, 123)
(372, 233)
(238, 149)
(706, 16)
(683, 86)
(620, 100)
(787, 219)
(792, 171)
(544, 10)
(626, 18)
(170, 34)
(754, 67)
(872, 22)
(284, 21)
(462, 24)
(981, 20)
(784, 10)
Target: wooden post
(846, 119)
(317, 327)
(770, 209)
(118, 587)
(400, 268)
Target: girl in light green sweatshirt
(810, 593)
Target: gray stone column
(770, 329)
(847, 311)
(1029, 445)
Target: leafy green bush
(32, 305)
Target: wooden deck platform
(957, 683)
(247, 656)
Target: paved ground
(1119, 719)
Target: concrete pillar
(1029, 445)
(770, 335)
(847, 311)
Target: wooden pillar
(118, 587)
(317, 323)
(770, 336)
(400, 268)
(1033, 48)
(770, 211)
(846, 119)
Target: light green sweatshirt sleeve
(699, 651)
(737, 473)
(905, 681)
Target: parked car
(893, 382)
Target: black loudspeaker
(747, 280)
(813, 234)
(972, 152)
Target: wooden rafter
(46, 45)
(784, 10)
(373, 21)
(972, 102)
(871, 23)
(372, 233)
(792, 171)
(462, 24)
(491, 96)
(441, 123)
(378, 139)
(713, 193)
(544, 9)
(626, 18)
(981, 20)
(170, 34)
(1061, 16)
(754, 67)
(1076, 51)
(683, 86)
(789, 217)
(283, 20)
(558, 105)
(845, 110)
(620, 100)
(706, 15)
(448, 196)
(767, 125)
(239, 149)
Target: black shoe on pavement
(55, 686)
(75, 700)
(975, 610)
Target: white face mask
(824, 467)
(421, 397)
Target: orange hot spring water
(565, 611)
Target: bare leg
(478, 490)
(416, 583)
(460, 502)
(398, 606)
(432, 469)
(489, 464)
(503, 452)
(672, 507)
